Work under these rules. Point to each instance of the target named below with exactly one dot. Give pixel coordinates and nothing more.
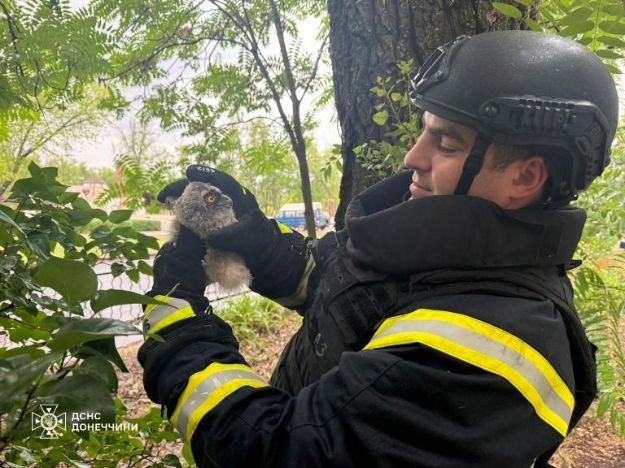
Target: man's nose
(417, 157)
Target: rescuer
(438, 327)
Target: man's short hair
(507, 154)
(557, 162)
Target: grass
(251, 315)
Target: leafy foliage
(49, 53)
(395, 112)
(598, 24)
(47, 136)
(142, 169)
(250, 316)
(56, 351)
(230, 70)
(600, 295)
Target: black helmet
(527, 89)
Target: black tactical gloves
(178, 270)
(275, 255)
(183, 321)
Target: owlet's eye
(210, 198)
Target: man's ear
(529, 181)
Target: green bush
(57, 365)
(143, 225)
(599, 290)
(139, 225)
(250, 315)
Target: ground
(592, 444)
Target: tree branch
(254, 49)
(70, 122)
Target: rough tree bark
(367, 39)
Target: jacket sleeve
(293, 269)
(395, 406)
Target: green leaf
(133, 275)
(75, 281)
(577, 28)
(145, 268)
(525, 2)
(18, 374)
(604, 405)
(613, 9)
(614, 70)
(379, 92)
(613, 27)
(39, 244)
(99, 367)
(83, 330)
(608, 54)
(103, 347)
(117, 269)
(533, 25)
(576, 16)
(81, 204)
(171, 460)
(34, 169)
(380, 118)
(7, 219)
(119, 216)
(611, 41)
(114, 297)
(81, 393)
(508, 10)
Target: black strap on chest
(350, 304)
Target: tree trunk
(304, 173)
(367, 39)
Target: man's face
(438, 157)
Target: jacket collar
(455, 231)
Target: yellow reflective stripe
(206, 389)
(284, 229)
(299, 296)
(166, 299)
(158, 316)
(489, 348)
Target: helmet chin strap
(473, 164)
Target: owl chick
(203, 208)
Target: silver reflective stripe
(161, 311)
(204, 391)
(299, 296)
(491, 348)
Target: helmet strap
(473, 164)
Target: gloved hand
(275, 255)
(243, 200)
(178, 270)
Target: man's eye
(446, 149)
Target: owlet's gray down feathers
(203, 208)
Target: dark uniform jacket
(436, 332)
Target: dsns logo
(48, 421)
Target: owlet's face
(203, 208)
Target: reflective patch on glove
(206, 389)
(158, 316)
